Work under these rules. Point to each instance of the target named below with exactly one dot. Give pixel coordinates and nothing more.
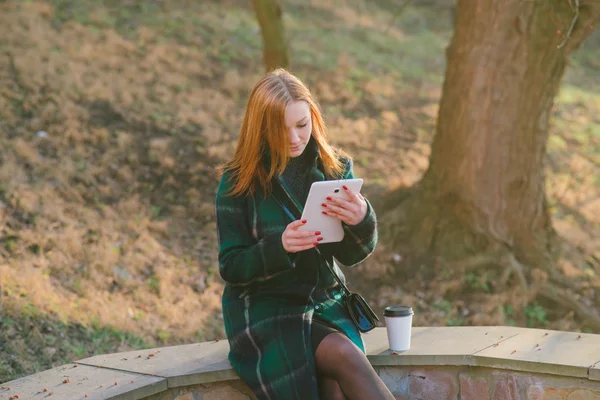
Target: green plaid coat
(271, 296)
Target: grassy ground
(114, 114)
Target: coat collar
(279, 187)
(311, 152)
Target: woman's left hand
(351, 210)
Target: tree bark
(484, 188)
(275, 53)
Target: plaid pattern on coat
(271, 297)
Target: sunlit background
(113, 115)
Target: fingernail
(316, 243)
(319, 239)
(345, 187)
(303, 221)
(328, 198)
(324, 205)
(317, 233)
(324, 212)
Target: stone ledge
(145, 373)
(509, 348)
(183, 365)
(96, 383)
(438, 345)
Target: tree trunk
(484, 188)
(268, 13)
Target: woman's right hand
(295, 240)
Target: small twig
(568, 35)
(397, 14)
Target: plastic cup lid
(397, 311)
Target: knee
(330, 389)
(339, 355)
(344, 349)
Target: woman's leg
(339, 359)
(329, 389)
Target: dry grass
(97, 243)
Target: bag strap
(296, 217)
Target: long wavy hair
(264, 132)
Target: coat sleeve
(242, 258)
(359, 240)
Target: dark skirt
(319, 331)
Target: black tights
(345, 373)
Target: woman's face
(299, 125)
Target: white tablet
(330, 227)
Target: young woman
(289, 333)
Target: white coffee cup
(398, 322)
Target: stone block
(186, 396)
(555, 394)
(234, 390)
(594, 371)
(535, 392)
(584, 394)
(473, 387)
(433, 384)
(395, 379)
(539, 392)
(166, 395)
(225, 393)
(506, 387)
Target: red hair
(264, 129)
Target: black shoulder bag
(359, 310)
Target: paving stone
(594, 372)
(438, 345)
(97, 383)
(544, 351)
(182, 365)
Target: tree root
(556, 288)
(514, 266)
(476, 261)
(566, 298)
(500, 258)
(390, 201)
